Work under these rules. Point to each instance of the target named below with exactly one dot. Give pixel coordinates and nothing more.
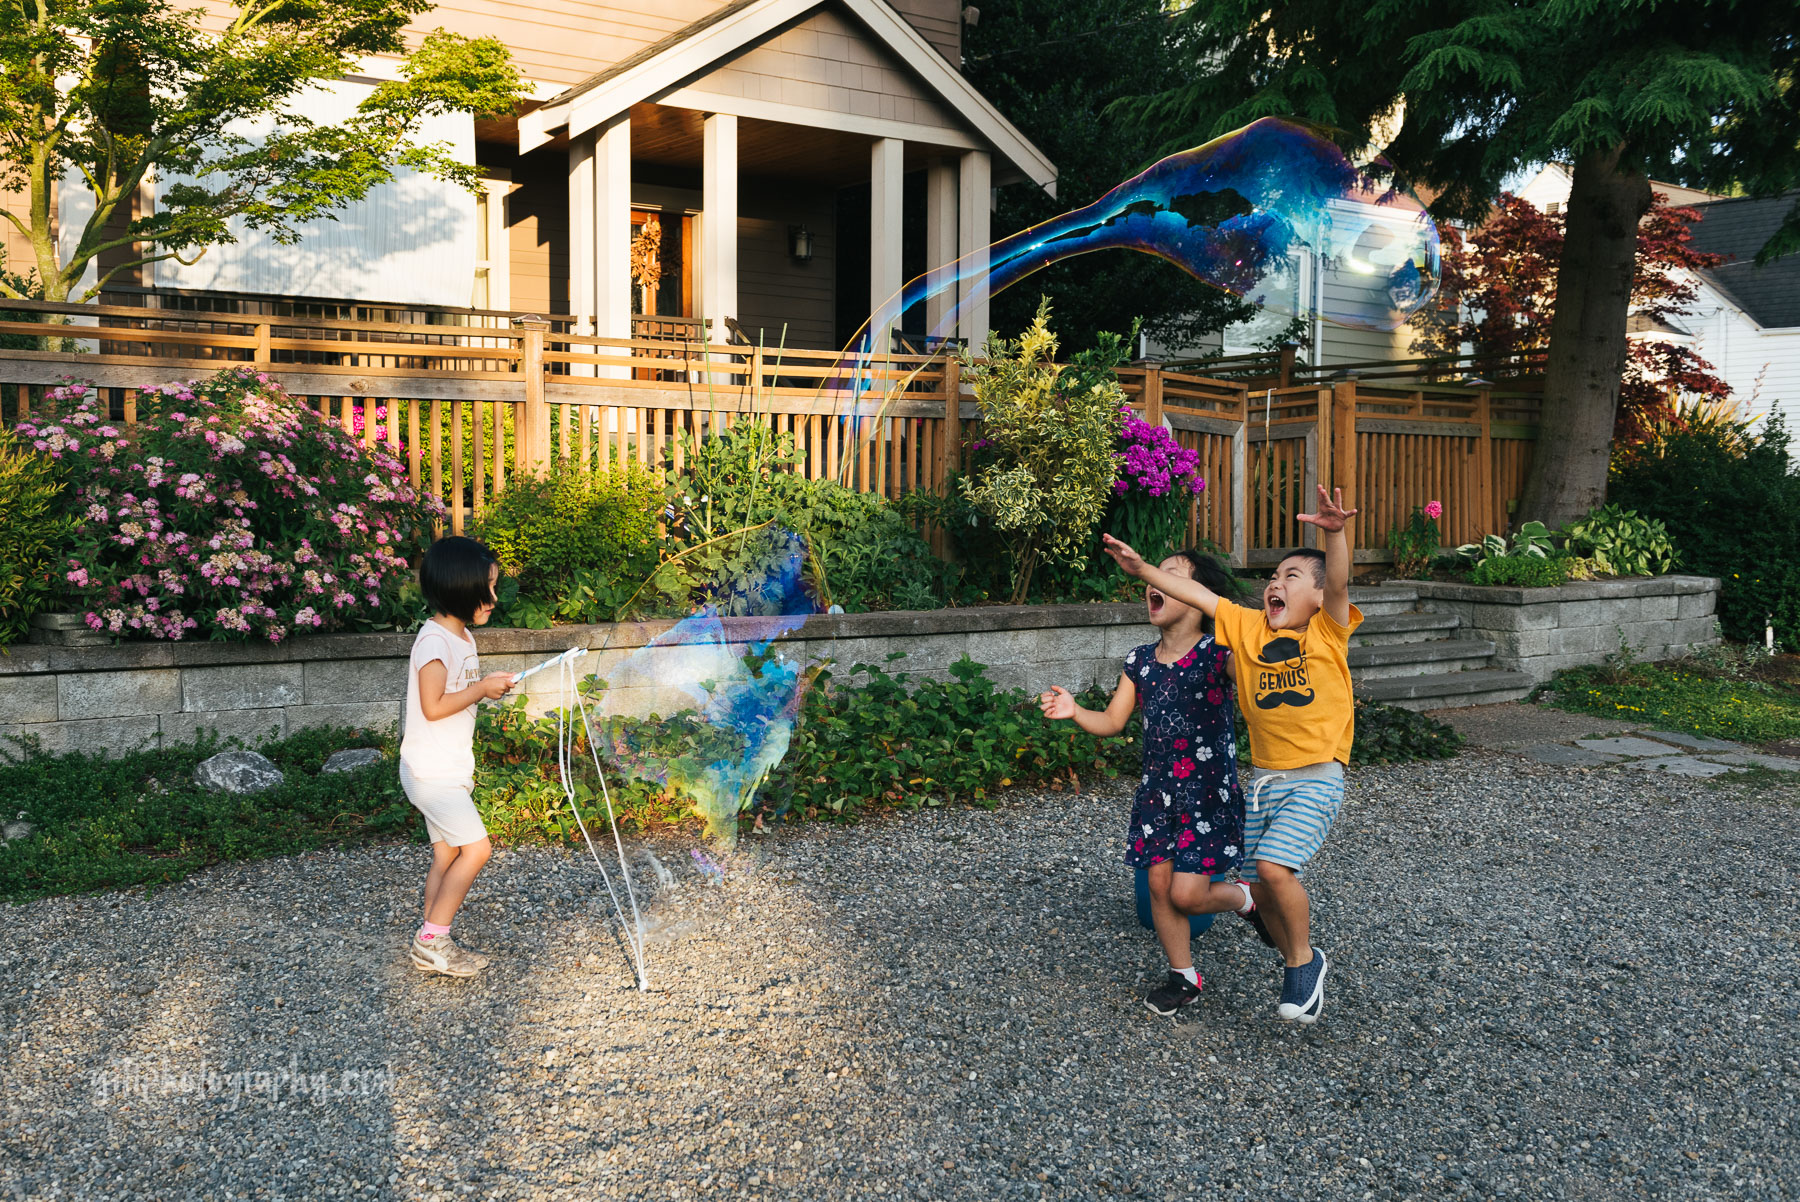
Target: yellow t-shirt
(1294, 689)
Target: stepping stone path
(1664, 751)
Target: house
(776, 166)
(1746, 322)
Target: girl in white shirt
(437, 752)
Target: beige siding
(1350, 344)
(20, 258)
(939, 20)
(537, 216)
(772, 288)
(828, 62)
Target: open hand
(1057, 703)
(495, 685)
(1332, 515)
(1128, 560)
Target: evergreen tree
(1465, 92)
(1054, 67)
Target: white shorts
(450, 814)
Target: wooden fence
(466, 408)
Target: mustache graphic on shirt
(1269, 701)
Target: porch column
(581, 234)
(718, 223)
(612, 232)
(974, 232)
(940, 246)
(887, 172)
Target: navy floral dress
(1188, 808)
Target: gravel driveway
(1550, 983)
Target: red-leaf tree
(1499, 295)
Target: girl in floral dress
(1187, 820)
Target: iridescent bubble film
(708, 707)
(1243, 213)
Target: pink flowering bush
(228, 512)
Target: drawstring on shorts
(1256, 790)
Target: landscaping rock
(15, 830)
(1626, 745)
(1693, 742)
(1573, 757)
(1682, 765)
(352, 758)
(238, 772)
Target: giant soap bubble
(1239, 213)
(708, 707)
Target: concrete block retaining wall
(132, 695)
(1544, 630)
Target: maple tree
(1498, 300)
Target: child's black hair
(1318, 562)
(1207, 570)
(454, 576)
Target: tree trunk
(1587, 341)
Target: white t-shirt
(444, 749)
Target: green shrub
(33, 536)
(1732, 504)
(1388, 734)
(863, 553)
(1619, 542)
(573, 532)
(1051, 432)
(1522, 571)
(140, 820)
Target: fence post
(951, 447)
(1343, 448)
(1284, 371)
(756, 379)
(263, 355)
(1153, 402)
(1240, 487)
(1484, 460)
(534, 431)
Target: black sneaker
(1303, 991)
(1174, 995)
(1254, 918)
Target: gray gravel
(1550, 983)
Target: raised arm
(1059, 703)
(1188, 592)
(1332, 518)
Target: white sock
(1249, 902)
(1191, 974)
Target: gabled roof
(1768, 295)
(736, 26)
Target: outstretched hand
(1332, 516)
(1129, 561)
(1057, 703)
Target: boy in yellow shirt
(1291, 660)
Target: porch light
(799, 243)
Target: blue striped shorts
(1289, 813)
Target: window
(492, 261)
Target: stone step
(1485, 686)
(1384, 599)
(1389, 630)
(1420, 659)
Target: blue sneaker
(1303, 991)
